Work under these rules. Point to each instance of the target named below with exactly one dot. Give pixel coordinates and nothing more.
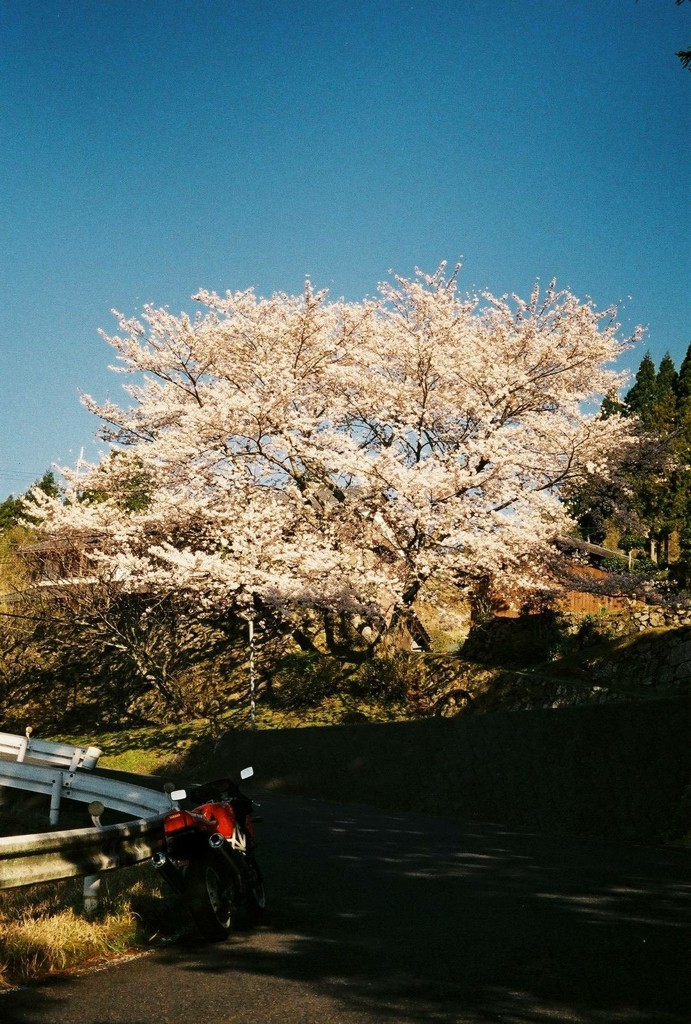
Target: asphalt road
(394, 918)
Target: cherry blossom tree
(293, 454)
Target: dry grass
(43, 931)
(34, 946)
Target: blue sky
(153, 147)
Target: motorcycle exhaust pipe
(169, 871)
(221, 842)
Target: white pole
(55, 798)
(253, 705)
(92, 883)
(24, 745)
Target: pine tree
(664, 409)
(16, 511)
(642, 396)
(10, 511)
(612, 406)
(683, 473)
(657, 496)
(684, 381)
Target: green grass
(155, 749)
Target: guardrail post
(92, 883)
(24, 745)
(55, 798)
(91, 757)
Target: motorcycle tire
(256, 895)
(250, 910)
(212, 894)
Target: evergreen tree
(10, 512)
(654, 498)
(642, 396)
(14, 511)
(664, 408)
(612, 406)
(683, 387)
(683, 471)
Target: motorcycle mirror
(178, 794)
(247, 773)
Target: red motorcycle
(208, 856)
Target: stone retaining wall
(656, 660)
(650, 616)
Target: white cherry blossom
(298, 452)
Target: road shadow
(414, 920)
(404, 919)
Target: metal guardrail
(49, 856)
(84, 787)
(62, 754)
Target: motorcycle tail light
(177, 820)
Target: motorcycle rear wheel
(212, 899)
(257, 894)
